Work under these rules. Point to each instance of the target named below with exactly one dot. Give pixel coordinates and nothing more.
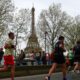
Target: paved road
(56, 76)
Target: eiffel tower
(33, 44)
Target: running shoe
(47, 78)
(76, 71)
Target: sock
(48, 77)
(64, 78)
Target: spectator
(44, 62)
(1, 54)
(22, 55)
(38, 58)
(32, 58)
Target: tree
(53, 21)
(72, 31)
(21, 25)
(77, 25)
(6, 11)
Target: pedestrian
(21, 57)
(76, 51)
(52, 57)
(44, 62)
(8, 55)
(38, 58)
(32, 56)
(1, 54)
(58, 58)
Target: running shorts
(8, 60)
(59, 59)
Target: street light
(45, 40)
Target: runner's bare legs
(4, 68)
(12, 72)
(52, 69)
(64, 70)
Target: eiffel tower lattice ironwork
(33, 44)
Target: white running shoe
(46, 78)
(76, 71)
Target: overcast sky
(72, 7)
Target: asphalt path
(55, 76)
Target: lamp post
(16, 44)
(45, 40)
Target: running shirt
(77, 53)
(70, 54)
(9, 51)
(58, 48)
(58, 53)
(77, 50)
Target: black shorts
(59, 59)
(77, 58)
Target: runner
(8, 55)
(70, 57)
(1, 54)
(77, 57)
(58, 58)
